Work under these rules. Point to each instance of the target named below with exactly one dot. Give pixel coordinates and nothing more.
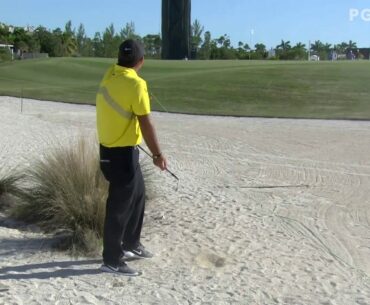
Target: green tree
(224, 41)
(88, 48)
(81, 40)
(221, 48)
(321, 49)
(152, 44)
(317, 46)
(352, 50)
(352, 45)
(241, 51)
(69, 45)
(68, 40)
(4, 34)
(205, 49)
(247, 47)
(97, 45)
(111, 42)
(24, 41)
(220, 41)
(214, 50)
(260, 51)
(196, 35)
(33, 43)
(299, 51)
(342, 47)
(282, 50)
(49, 42)
(260, 47)
(68, 29)
(5, 54)
(57, 42)
(128, 32)
(327, 47)
(22, 46)
(18, 37)
(300, 46)
(284, 46)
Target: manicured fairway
(241, 88)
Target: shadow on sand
(65, 269)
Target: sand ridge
(268, 211)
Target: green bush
(5, 55)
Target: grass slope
(242, 88)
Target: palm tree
(342, 47)
(317, 46)
(284, 45)
(68, 41)
(283, 49)
(327, 47)
(300, 46)
(69, 44)
(352, 45)
(300, 51)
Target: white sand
(268, 211)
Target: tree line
(204, 47)
(75, 42)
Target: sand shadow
(11, 246)
(67, 269)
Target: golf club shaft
(171, 173)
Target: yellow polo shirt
(122, 96)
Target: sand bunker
(268, 211)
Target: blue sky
(271, 20)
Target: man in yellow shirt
(123, 119)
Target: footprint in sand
(209, 260)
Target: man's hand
(151, 141)
(160, 162)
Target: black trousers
(125, 203)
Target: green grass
(329, 90)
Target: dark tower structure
(176, 24)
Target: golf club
(171, 173)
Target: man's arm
(150, 137)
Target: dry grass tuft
(9, 180)
(66, 191)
